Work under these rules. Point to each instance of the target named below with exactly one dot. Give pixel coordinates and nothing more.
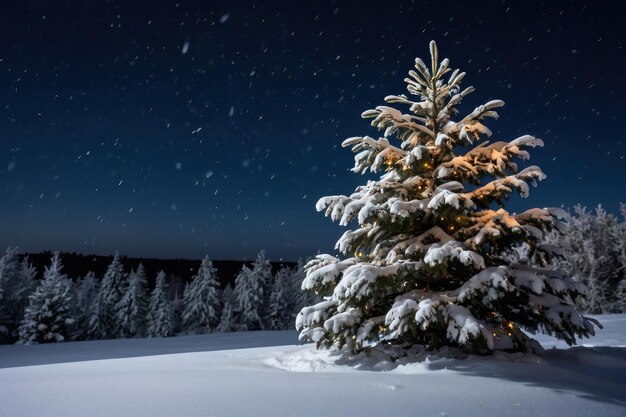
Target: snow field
(292, 380)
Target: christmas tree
(425, 261)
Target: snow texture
(227, 375)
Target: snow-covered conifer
(48, 317)
(249, 299)
(159, 320)
(86, 291)
(201, 300)
(619, 239)
(300, 298)
(17, 282)
(130, 311)
(227, 318)
(424, 263)
(177, 311)
(102, 321)
(592, 251)
(281, 302)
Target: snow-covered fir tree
(159, 319)
(249, 299)
(201, 300)
(86, 290)
(48, 317)
(423, 264)
(102, 323)
(592, 250)
(300, 298)
(281, 302)
(130, 311)
(619, 239)
(177, 311)
(227, 316)
(17, 282)
(9, 276)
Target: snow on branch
(324, 270)
(359, 280)
(486, 110)
(464, 328)
(493, 159)
(373, 154)
(439, 253)
(488, 285)
(501, 188)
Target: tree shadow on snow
(595, 373)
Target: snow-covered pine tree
(130, 311)
(281, 301)
(249, 300)
(425, 264)
(48, 317)
(159, 320)
(619, 239)
(9, 276)
(300, 298)
(591, 251)
(201, 300)
(102, 321)
(17, 282)
(86, 291)
(227, 318)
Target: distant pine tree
(86, 291)
(300, 298)
(159, 318)
(227, 318)
(249, 299)
(281, 303)
(17, 282)
(102, 321)
(131, 309)
(48, 317)
(201, 300)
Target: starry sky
(179, 129)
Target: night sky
(179, 129)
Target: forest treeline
(132, 301)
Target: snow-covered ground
(268, 374)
